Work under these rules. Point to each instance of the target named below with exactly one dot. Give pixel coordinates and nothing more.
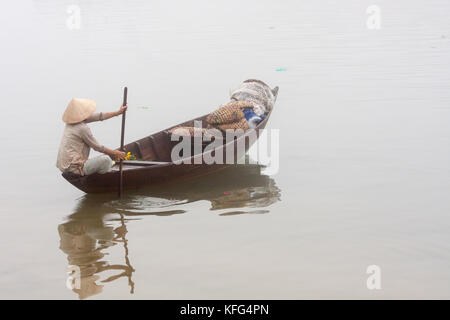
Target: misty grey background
(364, 151)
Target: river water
(364, 175)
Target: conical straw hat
(78, 110)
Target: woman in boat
(77, 140)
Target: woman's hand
(118, 155)
(109, 115)
(121, 110)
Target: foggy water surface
(364, 174)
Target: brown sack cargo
(229, 113)
(187, 131)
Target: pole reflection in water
(99, 221)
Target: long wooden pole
(122, 136)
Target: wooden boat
(156, 165)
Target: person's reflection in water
(84, 238)
(94, 228)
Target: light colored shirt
(76, 144)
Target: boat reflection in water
(99, 221)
